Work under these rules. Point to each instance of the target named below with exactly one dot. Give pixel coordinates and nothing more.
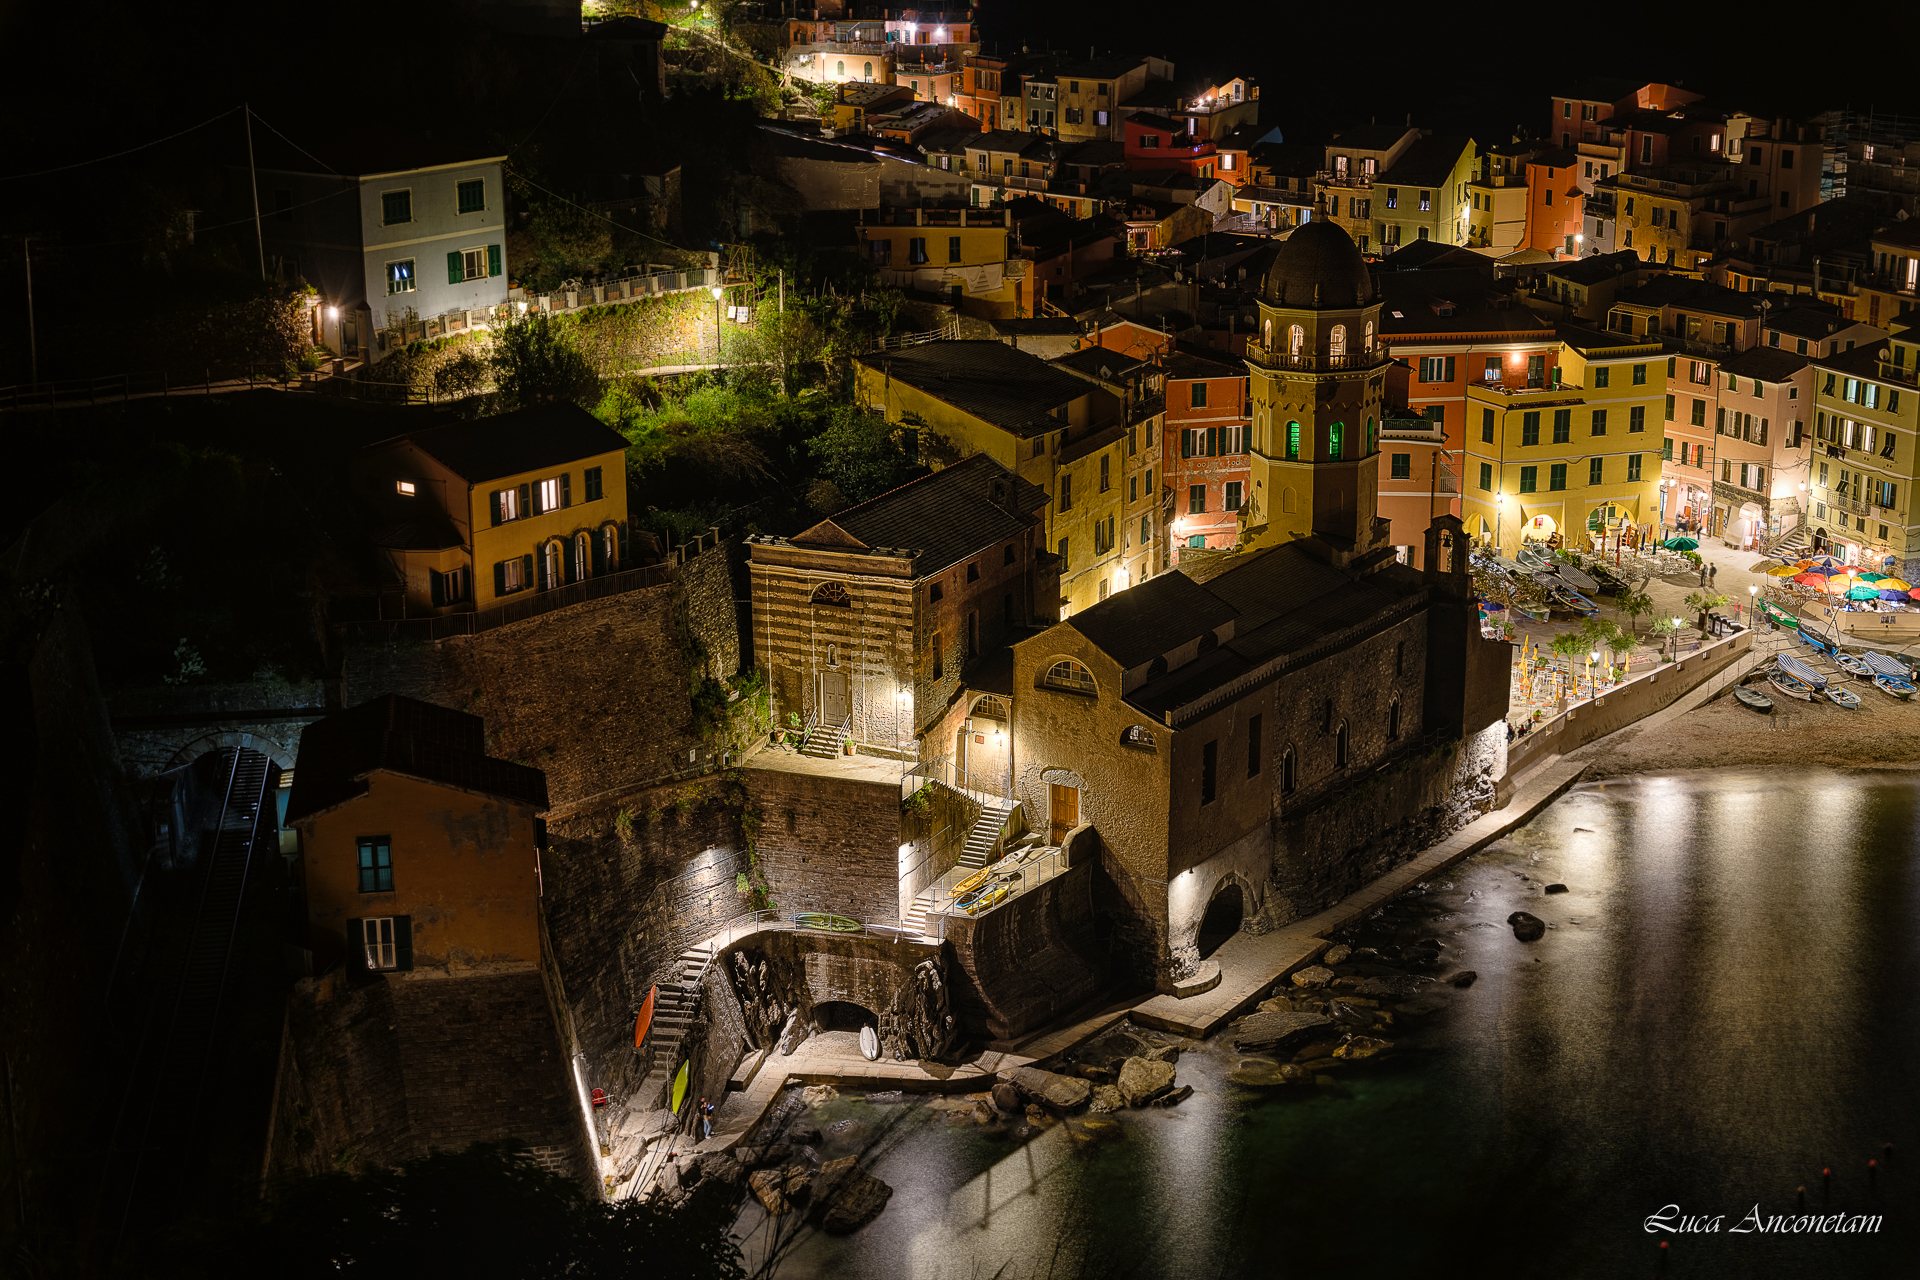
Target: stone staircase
(1791, 545)
(916, 921)
(823, 741)
(673, 1013)
(986, 830)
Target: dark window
(1199, 395)
(1230, 495)
(1637, 418)
(1196, 498)
(1562, 425)
(1633, 466)
(1486, 426)
(1209, 762)
(396, 206)
(1340, 747)
(1066, 493)
(953, 248)
(376, 864)
(1253, 747)
(1402, 466)
(1287, 772)
(1557, 476)
(1006, 556)
(1393, 719)
(1530, 427)
(935, 593)
(592, 485)
(1063, 553)
(1529, 479)
(1593, 470)
(473, 195)
(1486, 476)
(1106, 478)
(973, 572)
(1599, 422)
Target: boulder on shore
(1107, 1098)
(1142, 1080)
(778, 1190)
(1361, 1047)
(1163, 1053)
(1527, 928)
(1556, 888)
(1173, 1099)
(803, 1134)
(1464, 978)
(1312, 976)
(1278, 1030)
(1336, 954)
(1006, 1099)
(1057, 1093)
(844, 1197)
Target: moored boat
(1854, 666)
(1894, 687)
(1753, 698)
(1844, 698)
(1791, 687)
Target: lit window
(403, 487)
(1070, 676)
(376, 865)
(400, 277)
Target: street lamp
(718, 359)
(1753, 606)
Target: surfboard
(869, 1044)
(645, 1020)
(680, 1088)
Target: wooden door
(834, 700)
(1063, 811)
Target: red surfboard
(646, 1019)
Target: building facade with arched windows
(1223, 731)
(469, 515)
(880, 625)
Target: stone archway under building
(1227, 911)
(843, 1015)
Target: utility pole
(33, 341)
(783, 290)
(253, 179)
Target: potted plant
(846, 745)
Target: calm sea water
(1724, 1004)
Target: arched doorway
(843, 1015)
(1224, 915)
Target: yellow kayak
(986, 898)
(972, 882)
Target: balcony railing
(1356, 181)
(1317, 362)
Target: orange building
(1207, 466)
(1155, 142)
(1417, 482)
(417, 848)
(1554, 203)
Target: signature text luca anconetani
(1671, 1219)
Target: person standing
(706, 1119)
(1713, 572)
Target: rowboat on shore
(1844, 698)
(1854, 666)
(1753, 698)
(1791, 687)
(1806, 675)
(1894, 687)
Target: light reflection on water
(1723, 1004)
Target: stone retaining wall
(829, 844)
(1033, 958)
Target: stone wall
(384, 1072)
(597, 695)
(936, 823)
(829, 843)
(164, 726)
(1032, 959)
(779, 975)
(620, 908)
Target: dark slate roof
(1808, 319)
(1600, 266)
(1100, 151)
(1156, 617)
(1318, 266)
(1017, 141)
(1290, 159)
(1862, 361)
(1051, 326)
(944, 517)
(1368, 137)
(1691, 295)
(1479, 306)
(1411, 257)
(1768, 364)
(1149, 121)
(1154, 94)
(1186, 364)
(394, 734)
(1428, 162)
(530, 439)
(1100, 362)
(1557, 158)
(986, 378)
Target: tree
(535, 360)
(859, 454)
(1635, 603)
(443, 1214)
(1568, 644)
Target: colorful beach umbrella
(1914, 593)
(1681, 544)
(1868, 575)
(1783, 571)
(1824, 570)
(1863, 593)
(1893, 595)
(1810, 580)
(1841, 585)
(1893, 584)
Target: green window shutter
(526, 569)
(568, 569)
(455, 275)
(493, 259)
(500, 579)
(526, 499)
(1449, 377)
(356, 946)
(436, 588)
(566, 489)
(403, 943)
(493, 505)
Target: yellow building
(1570, 458)
(1078, 437)
(417, 849)
(1865, 459)
(964, 257)
(469, 514)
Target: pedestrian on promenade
(1713, 571)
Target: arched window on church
(1337, 341)
(1393, 718)
(1296, 340)
(1289, 771)
(1373, 438)
(1293, 442)
(832, 593)
(1266, 335)
(1340, 746)
(1334, 431)
(1369, 345)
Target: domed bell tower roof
(1317, 268)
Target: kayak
(827, 921)
(680, 1088)
(984, 898)
(645, 1020)
(972, 882)
(1753, 698)
(869, 1044)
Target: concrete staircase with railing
(823, 740)
(985, 834)
(1791, 545)
(673, 1013)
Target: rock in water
(1269, 1074)
(1464, 978)
(1036, 1114)
(1278, 1030)
(1556, 888)
(1527, 928)
(1336, 955)
(1057, 1093)
(1107, 1098)
(815, 1094)
(780, 1189)
(1163, 1053)
(803, 1135)
(983, 1113)
(1347, 1014)
(1312, 976)
(1173, 1099)
(846, 1197)
(762, 1157)
(1361, 1047)
(1006, 1099)
(1142, 1080)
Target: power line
(596, 213)
(41, 173)
(290, 142)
